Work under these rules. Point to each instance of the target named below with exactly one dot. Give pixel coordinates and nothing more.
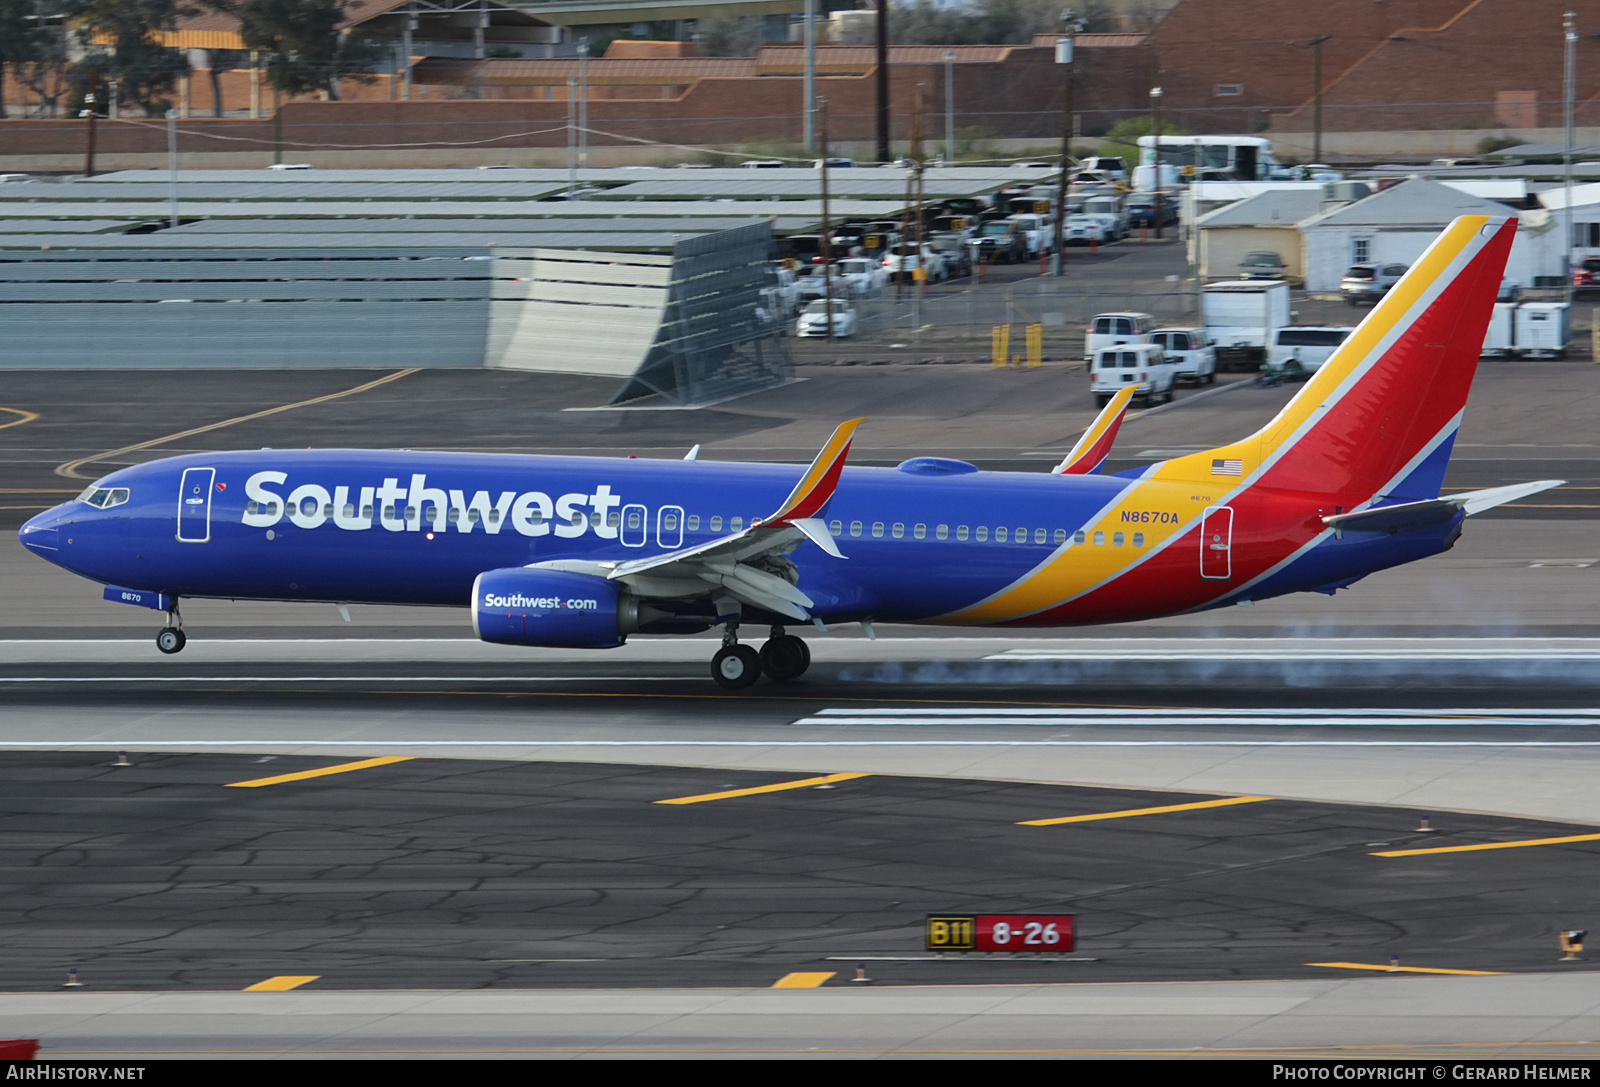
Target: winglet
(1095, 445)
(817, 485)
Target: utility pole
(1316, 96)
(883, 81)
(1155, 129)
(89, 103)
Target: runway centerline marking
(803, 980)
(1406, 969)
(70, 469)
(281, 984)
(1489, 845)
(341, 768)
(827, 779)
(1223, 803)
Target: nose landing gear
(782, 657)
(171, 638)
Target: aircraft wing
(1095, 445)
(748, 565)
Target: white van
(1115, 367)
(1191, 351)
(1309, 345)
(1112, 329)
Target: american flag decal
(1227, 467)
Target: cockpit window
(104, 497)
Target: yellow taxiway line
(803, 980)
(281, 984)
(341, 768)
(1224, 802)
(802, 783)
(1489, 845)
(1406, 969)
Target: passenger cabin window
(1099, 539)
(736, 525)
(981, 532)
(836, 527)
(633, 520)
(943, 532)
(1117, 539)
(716, 524)
(1061, 535)
(1078, 537)
(1138, 539)
(694, 522)
(899, 530)
(1001, 534)
(877, 528)
(855, 528)
(920, 532)
(1038, 535)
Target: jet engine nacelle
(521, 606)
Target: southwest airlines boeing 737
(584, 551)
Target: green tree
(988, 22)
(119, 40)
(303, 44)
(23, 40)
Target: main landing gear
(736, 666)
(171, 638)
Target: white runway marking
(350, 679)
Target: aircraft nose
(42, 534)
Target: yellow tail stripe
(819, 468)
(1489, 845)
(341, 768)
(1223, 803)
(758, 789)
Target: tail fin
(1095, 445)
(1379, 417)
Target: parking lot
(954, 320)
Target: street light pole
(949, 107)
(1569, 25)
(883, 81)
(808, 107)
(1070, 26)
(583, 102)
(172, 165)
(1316, 96)
(1155, 130)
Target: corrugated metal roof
(1418, 203)
(626, 225)
(487, 188)
(1275, 207)
(977, 175)
(687, 210)
(180, 240)
(67, 226)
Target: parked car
(1264, 264)
(1305, 346)
(1038, 230)
(859, 276)
(1112, 166)
(1084, 229)
(952, 246)
(904, 259)
(1587, 273)
(764, 164)
(1191, 351)
(814, 319)
(832, 163)
(998, 242)
(1112, 368)
(1369, 282)
(1142, 209)
(813, 283)
(1114, 329)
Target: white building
(1398, 223)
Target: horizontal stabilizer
(1433, 511)
(1095, 445)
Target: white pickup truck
(1037, 230)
